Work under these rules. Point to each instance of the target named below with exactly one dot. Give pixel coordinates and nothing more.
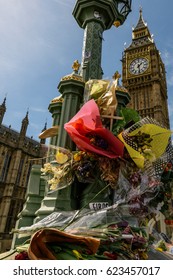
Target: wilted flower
(109, 169)
(47, 168)
(59, 171)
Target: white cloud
(167, 55)
(39, 110)
(170, 109)
(67, 3)
(35, 126)
(170, 78)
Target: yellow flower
(61, 158)
(77, 156)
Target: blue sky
(40, 39)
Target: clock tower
(143, 74)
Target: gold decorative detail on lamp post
(76, 66)
(117, 23)
(116, 76)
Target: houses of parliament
(143, 77)
(17, 152)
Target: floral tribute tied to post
(88, 133)
(121, 180)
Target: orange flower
(88, 133)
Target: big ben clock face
(138, 66)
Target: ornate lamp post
(95, 17)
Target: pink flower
(88, 133)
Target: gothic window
(14, 210)
(137, 102)
(19, 172)
(28, 174)
(5, 168)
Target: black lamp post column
(95, 17)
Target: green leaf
(129, 115)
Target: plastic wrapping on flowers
(107, 234)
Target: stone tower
(143, 75)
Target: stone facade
(16, 152)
